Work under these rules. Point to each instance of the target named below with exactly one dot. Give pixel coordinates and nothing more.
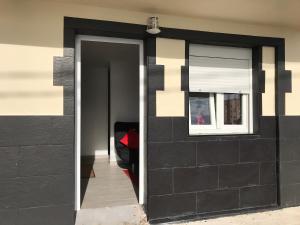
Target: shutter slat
(219, 75)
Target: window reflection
(232, 109)
(200, 109)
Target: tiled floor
(110, 187)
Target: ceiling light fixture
(153, 26)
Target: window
(220, 90)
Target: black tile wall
(257, 150)
(151, 104)
(258, 196)
(8, 193)
(45, 190)
(9, 164)
(268, 173)
(156, 80)
(239, 175)
(290, 149)
(39, 130)
(8, 217)
(289, 155)
(221, 152)
(168, 155)
(218, 170)
(289, 127)
(37, 170)
(195, 179)
(172, 205)
(63, 68)
(69, 100)
(62, 215)
(41, 160)
(180, 127)
(290, 194)
(159, 129)
(218, 200)
(268, 127)
(291, 171)
(160, 181)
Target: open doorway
(110, 122)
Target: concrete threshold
(116, 215)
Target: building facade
(188, 173)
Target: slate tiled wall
(203, 175)
(188, 176)
(290, 160)
(37, 161)
(36, 170)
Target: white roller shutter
(219, 69)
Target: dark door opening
(109, 96)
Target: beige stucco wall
(32, 33)
(171, 54)
(268, 65)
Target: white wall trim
(142, 112)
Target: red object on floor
(131, 176)
(131, 139)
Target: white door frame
(142, 112)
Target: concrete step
(117, 215)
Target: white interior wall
(124, 94)
(94, 91)
(123, 61)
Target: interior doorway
(110, 122)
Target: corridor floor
(110, 187)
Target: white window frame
(217, 126)
(194, 129)
(234, 128)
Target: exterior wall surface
(37, 124)
(196, 175)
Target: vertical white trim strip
(77, 122)
(142, 118)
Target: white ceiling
(275, 12)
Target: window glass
(232, 109)
(200, 109)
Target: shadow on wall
(27, 81)
(87, 172)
